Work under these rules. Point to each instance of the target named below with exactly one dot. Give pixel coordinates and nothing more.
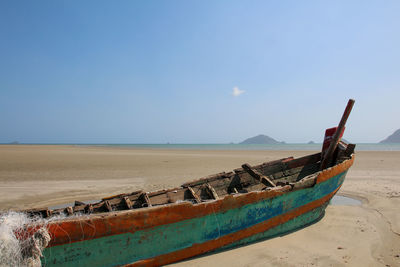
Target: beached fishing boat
(212, 213)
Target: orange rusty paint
(96, 226)
(198, 249)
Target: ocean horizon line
(228, 146)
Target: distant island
(394, 138)
(311, 142)
(260, 139)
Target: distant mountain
(311, 142)
(394, 138)
(260, 139)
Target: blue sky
(165, 71)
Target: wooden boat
(212, 213)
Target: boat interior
(298, 173)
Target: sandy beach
(363, 235)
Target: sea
(231, 146)
(283, 147)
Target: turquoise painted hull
(130, 247)
(284, 228)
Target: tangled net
(24, 249)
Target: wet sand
(366, 235)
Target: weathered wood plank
(128, 202)
(176, 195)
(43, 212)
(255, 187)
(297, 173)
(159, 192)
(160, 199)
(304, 160)
(107, 205)
(194, 195)
(146, 199)
(212, 191)
(306, 182)
(88, 208)
(207, 179)
(138, 192)
(257, 175)
(69, 210)
(350, 149)
(78, 203)
(221, 186)
(270, 166)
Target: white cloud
(237, 92)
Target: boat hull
(167, 235)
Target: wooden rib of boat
(212, 213)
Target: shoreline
(377, 147)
